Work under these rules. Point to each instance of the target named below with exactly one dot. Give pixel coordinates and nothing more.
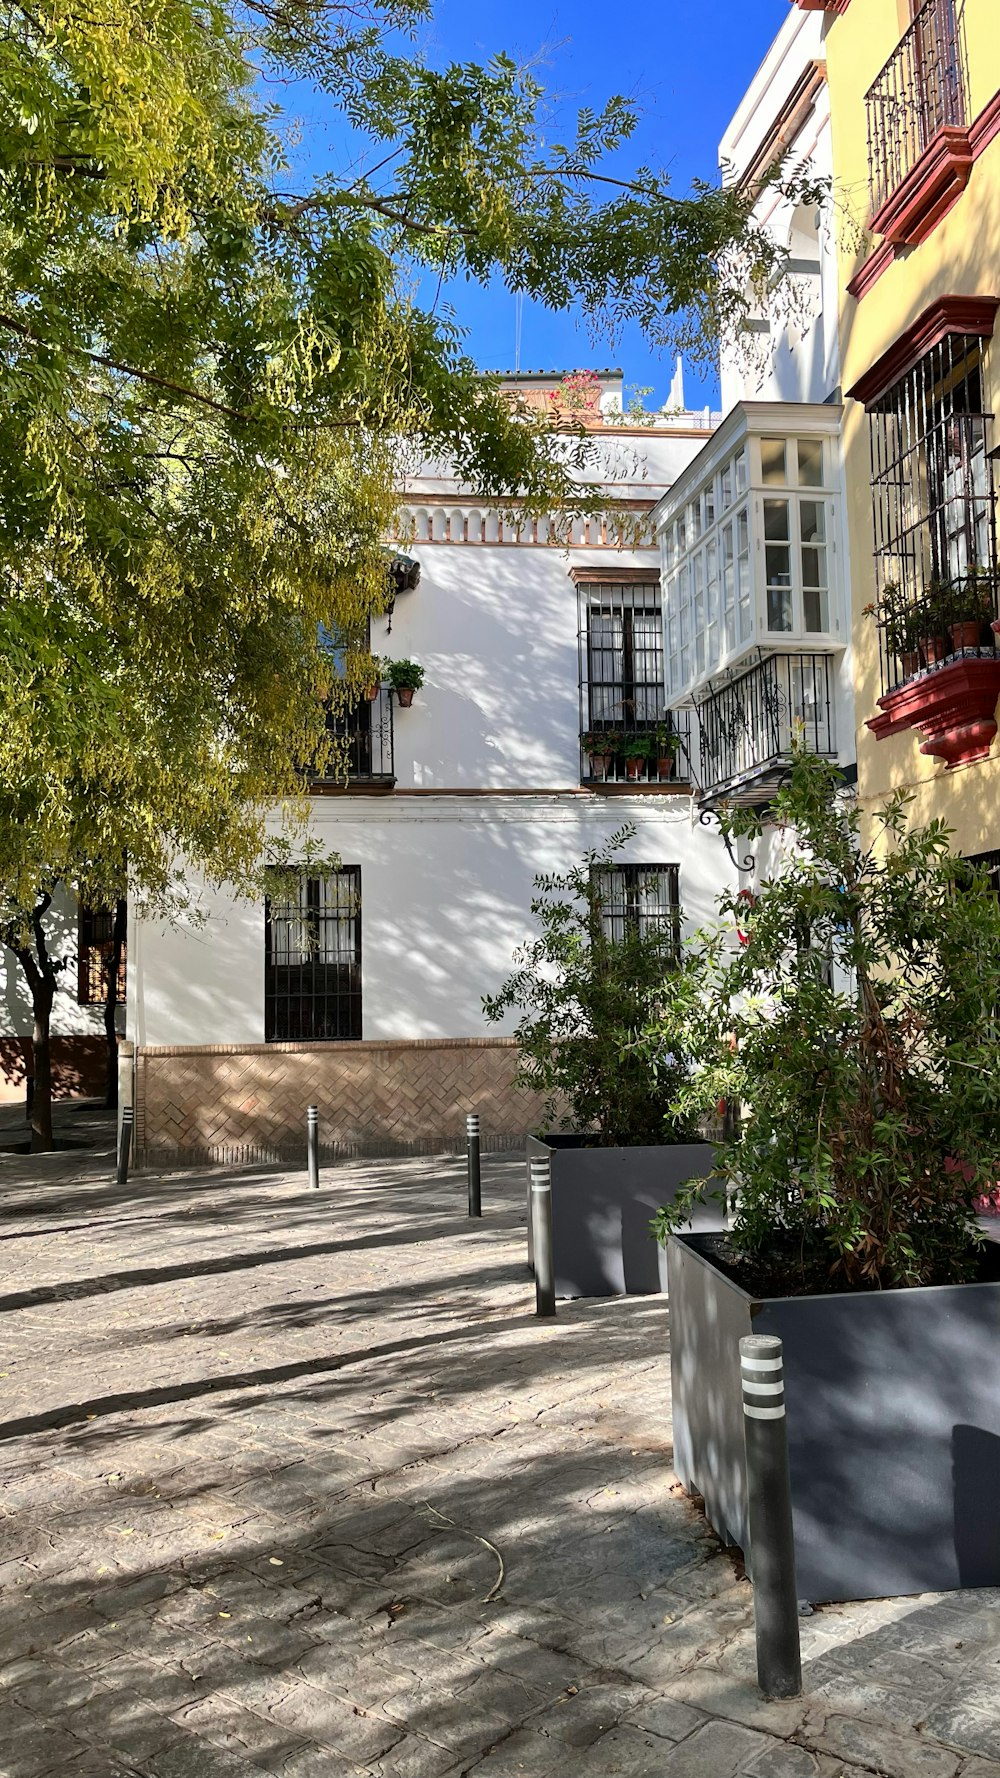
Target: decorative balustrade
(747, 727)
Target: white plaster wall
(799, 360)
(446, 886)
(495, 629)
(69, 1019)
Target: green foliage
(587, 1000)
(601, 743)
(208, 377)
(858, 1024)
(405, 675)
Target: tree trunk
(111, 1001)
(41, 1105)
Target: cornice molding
(791, 119)
(933, 185)
(954, 708)
(950, 314)
(582, 573)
(834, 6)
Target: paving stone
(251, 1567)
(898, 1756)
(580, 1718)
(525, 1754)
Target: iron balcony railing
(365, 736)
(635, 751)
(922, 89)
(747, 727)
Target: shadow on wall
(79, 1067)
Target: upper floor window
(100, 941)
(934, 510)
(762, 566)
(921, 90)
(623, 641)
(312, 959)
(640, 899)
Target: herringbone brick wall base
(226, 1103)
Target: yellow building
(915, 103)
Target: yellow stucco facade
(959, 256)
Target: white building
(753, 547)
(531, 635)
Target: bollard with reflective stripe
(125, 1142)
(769, 1498)
(540, 1200)
(475, 1184)
(312, 1145)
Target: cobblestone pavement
(295, 1483)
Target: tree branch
(129, 370)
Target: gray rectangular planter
(603, 1200)
(893, 1425)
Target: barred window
(312, 972)
(933, 500)
(96, 951)
(642, 899)
(622, 656)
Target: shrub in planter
(858, 1026)
(638, 750)
(405, 677)
(602, 969)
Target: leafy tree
(208, 375)
(587, 998)
(858, 1023)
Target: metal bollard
(475, 1183)
(541, 1235)
(769, 1498)
(312, 1146)
(125, 1143)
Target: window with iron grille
(921, 90)
(640, 899)
(934, 511)
(96, 951)
(622, 687)
(312, 969)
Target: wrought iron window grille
(622, 687)
(95, 955)
(922, 89)
(312, 960)
(934, 507)
(365, 750)
(636, 899)
(747, 725)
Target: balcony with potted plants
(619, 756)
(940, 667)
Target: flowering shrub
(579, 392)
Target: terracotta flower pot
(633, 767)
(665, 766)
(964, 635)
(909, 662)
(373, 690)
(600, 764)
(935, 649)
(405, 695)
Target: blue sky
(685, 62)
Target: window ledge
(934, 183)
(953, 706)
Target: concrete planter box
(603, 1200)
(893, 1424)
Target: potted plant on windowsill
(664, 749)
(405, 677)
(637, 751)
(902, 626)
(585, 989)
(601, 747)
(965, 605)
(375, 683)
(858, 1026)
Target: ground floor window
(312, 971)
(100, 950)
(640, 898)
